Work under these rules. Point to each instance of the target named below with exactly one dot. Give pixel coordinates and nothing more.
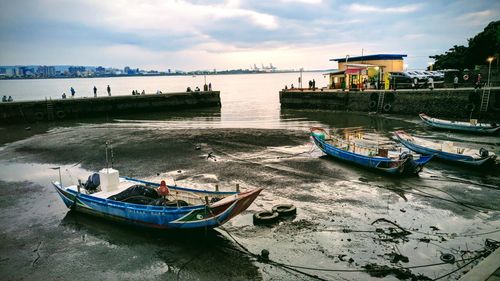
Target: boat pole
(107, 163)
(60, 178)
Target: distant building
(353, 71)
(45, 71)
(100, 70)
(76, 70)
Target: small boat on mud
(382, 158)
(446, 150)
(153, 205)
(471, 127)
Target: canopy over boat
(446, 150)
(172, 208)
(378, 156)
(472, 127)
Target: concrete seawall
(60, 109)
(438, 102)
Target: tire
(448, 258)
(60, 114)
(387, 107)
(372, 104)
(285, 210)
(470, 107)
(265, 217)
(39, 116)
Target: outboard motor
(483, 152)
(92, 183)
(405, 155)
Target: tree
(480, 47)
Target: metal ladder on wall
(380, 104)
(50, 109)
(485, 100)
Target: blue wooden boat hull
(189, 217)
(386, 165)
(458, 126)
(451, 157)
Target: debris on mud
(381, 271)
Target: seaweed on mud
(392, 234)
(298, 225)
(380, 271)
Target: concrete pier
(71, 108)
(444, 102)
(487, 270)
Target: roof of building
(372, 57)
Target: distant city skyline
(210, 34)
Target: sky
(232, 34)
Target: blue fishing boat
(470, 127)
(154, 205)
(446, 150)
(380, 158)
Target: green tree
(480, 47)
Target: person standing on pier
(95, 92)
(455, 82)
(72, 92)
(314, 84)
(64, 96)
(4, 99)
(109, 91)
(210, 86)
(478, 82)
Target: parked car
(417, 74)
(399, 80)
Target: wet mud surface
(351, 224)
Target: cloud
(478, 18)
(204, 34)
(312, 2)
(358, 8)
(413, 36)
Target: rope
(451, 272)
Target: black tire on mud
(265, 217)
(285, 210)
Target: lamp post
(490, 59)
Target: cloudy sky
(208, 34)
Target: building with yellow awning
(371, 71)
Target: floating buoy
(265, 217)
(285, 210)
(466, 77)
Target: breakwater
(72, 108)
(458, 103)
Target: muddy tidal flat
(350, 222)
